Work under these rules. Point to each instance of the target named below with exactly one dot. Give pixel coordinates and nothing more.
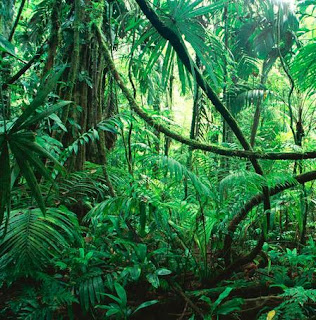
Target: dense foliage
(157, 159)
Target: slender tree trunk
(299, 134)
(16, 20)
(169, 106)
(255, 125)
(194, 126)
(267, 65)
(53, 41)
(227, 133)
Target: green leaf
(118, 300)
(134, 272)
(98, 287)
(230, 306)
(206, 9)
(221, 297)
(32, 240)
(36, 162)
(121, 293)
(7, 46)
(143, 216)
(43, 92)
(29, 176)
(58, 122)
(207, 300)
(35, 147)
(182, 75)
(303, 67)
(153, 279)
(86, 294)
(112, 311)
(5, 179)
(40, 116)
(91, 291)
(163, 272)
(145, 305)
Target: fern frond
(90, 287)
(178, 171)
(280, 178)
(247, 179)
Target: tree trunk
(86, 81)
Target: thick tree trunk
(86, 80)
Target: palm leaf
(32, 240)
(183, 18)
(29, 175)
(43, 92)
(20, 139)
(90, 288)
(304, 68)
(179, 171)
(46, 113)
(7, 46)
(5, 179)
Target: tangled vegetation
(157, 159)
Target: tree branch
(16, 22)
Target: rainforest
(157, 159)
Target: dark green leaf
(5, 179)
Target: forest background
(157, 159)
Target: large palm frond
(304, 68)
(32, 240)
(17, 137)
